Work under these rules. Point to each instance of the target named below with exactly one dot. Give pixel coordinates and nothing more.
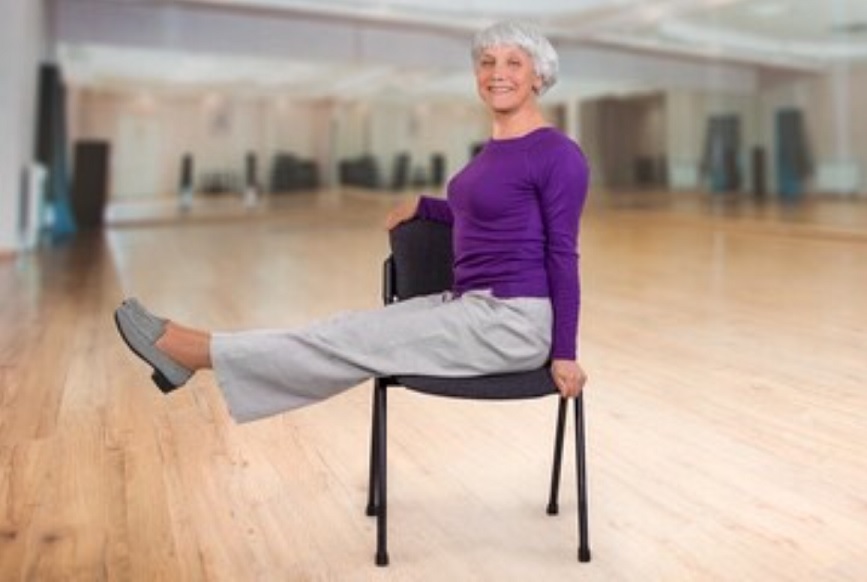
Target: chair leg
(581, 470)
(374, 430)
(553, 505)
(381, 446)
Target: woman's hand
(401, 213)
(569, 377)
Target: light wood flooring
(726, 344)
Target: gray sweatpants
(266, 372)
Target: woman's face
(506, 78)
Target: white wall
(835, 127)
(688, 112)
(695, 89)
(449, 128)
(835, 124)
(22, 45)
(379, 128)
(219, 129)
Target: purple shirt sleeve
(435, 209)
(562, 193)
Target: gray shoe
(140, 329)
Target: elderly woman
(514, 210)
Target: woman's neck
(517, 124)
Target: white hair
(526, 37)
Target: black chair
(421, 263)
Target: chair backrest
(421, 259)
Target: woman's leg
(189, 347)
(266, 372)
(271, 371)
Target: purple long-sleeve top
(515, 210)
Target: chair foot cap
(382, 559)
(584, 554)
(371, 511)
(553, 509)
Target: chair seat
(511, 386)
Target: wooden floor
(726, 344)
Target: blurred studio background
(113, 109)
(230, 163)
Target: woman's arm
(562, 192)
(562, 201)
